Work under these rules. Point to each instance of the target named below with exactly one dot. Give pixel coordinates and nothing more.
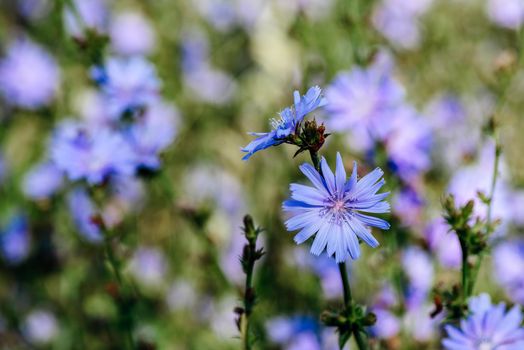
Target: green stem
(315, 160)
(345, 285)
(465, 272)
(360, 336)
(248, 305)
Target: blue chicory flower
(91, 154)
(127, 84)
(15, 241)
(508, 264)
(488, 327)
(290, 117)
(42, 181)
(334, 207)
(29, 75)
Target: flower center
(485, 345)
(338, 206)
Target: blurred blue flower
(290, 117)
(407, 139)
(506, 13)
(127, 84)
(83, 212)
(399, 21)
(443, 243)
(149, 266)
(42, 181)
(81, 15)
(508, 264)
(15, 240)
(132, 34)
(91, 154)
(418, 267)
(488, 327)
(334, 207)
(301, 333)
(151, 133)
(29, 76)
(361, 97)
(40, 327)
(408, 205)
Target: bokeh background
(207, 72)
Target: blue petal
(320, 242)
(353, 179)
(328, 176)
(303, 219)
(307, 232)
(363, 233)
(372, 221)
(306, 194)
(340, 174)
(313, 176)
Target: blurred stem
(250, 255)
(494, 178)
(115, 266)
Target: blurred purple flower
(332, 209)
(42, 181)
(91, 154)
(152, 132)
(444, 244)
(290, 117)
(127, 84)
(149, 266)
(86, 15)
(398, 21)
(508, 263)
(388, 324)
(29, 76)
(40, 327)
(408, 205)
(506, 13)
(407, 138)
(132, 34)
(83, 212)
(15, 241)
(301, 332)
(419, 272)
(488, 327)
(361, 98)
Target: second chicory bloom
(334, 207)
(290, 117)
(488, 327)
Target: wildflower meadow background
(262, 174)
